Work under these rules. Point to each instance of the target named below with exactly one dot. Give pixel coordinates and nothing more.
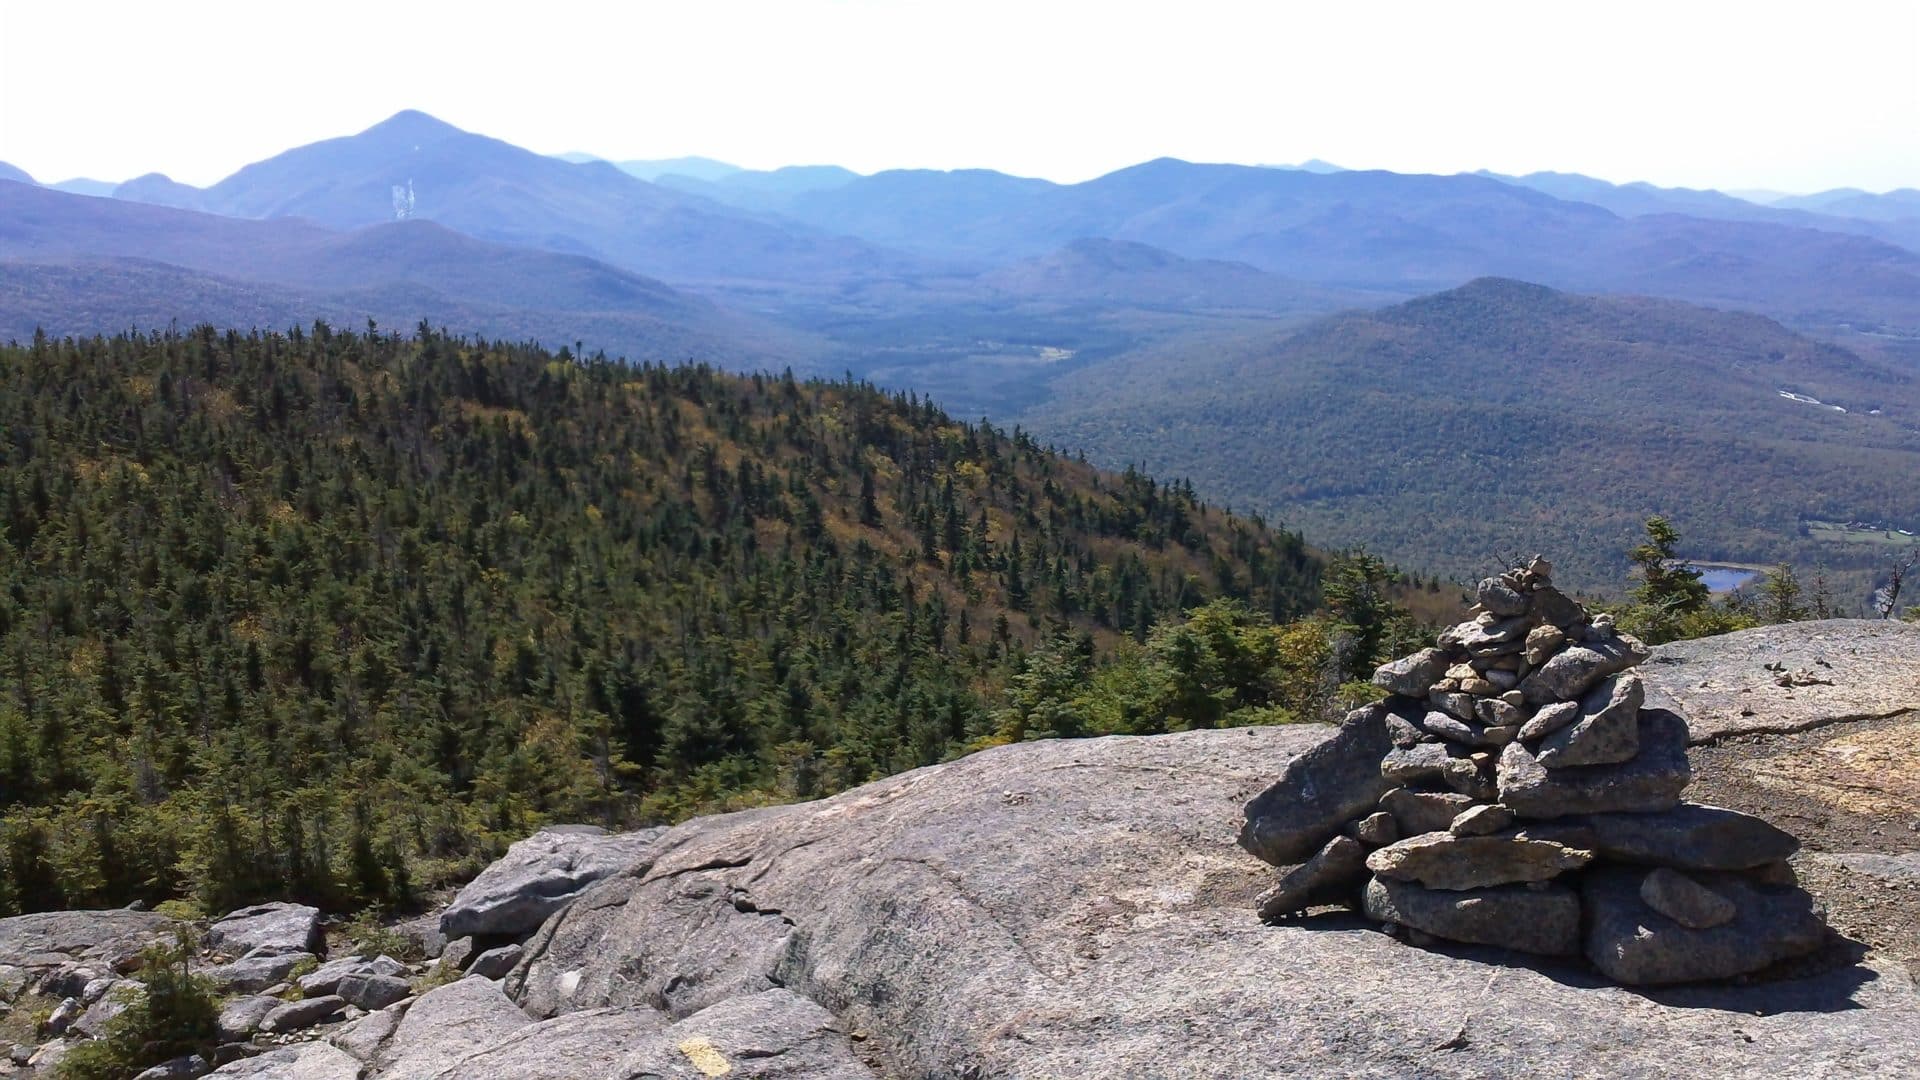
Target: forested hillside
(1505, 417)
(328, 615)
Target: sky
(1790, 97)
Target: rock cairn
(1514, 789)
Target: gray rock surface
(1410, 676)
(373, 992)
(240, 1017)
(1902, 869)
(122, 996)
(1333, 876)
(1684, 900)
(1447, 861)
(495, 963)
(1608, 730)
(1568, 673)
(1634, 944)
(446, 1025)
(1483, 820)
(578, 1045)
(112, 939)
(295, 1015)
(325, 979)
(308, 1061)
(1321, 789)
(772, 1035)
(278, 927)
(1690, 836)
(364, 1038)
(1836, 670)
(1652, 781)
(180, 1068)
(1417, 812)
(255, 971)
(537, 877)
(1077, 908)
(1544, 921)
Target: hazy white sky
(1701, 93)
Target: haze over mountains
(1097, 312)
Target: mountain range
(1099, 312)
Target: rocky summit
(1532, 801)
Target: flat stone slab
(1690, 836)
(537, 877)
(111, 938)
(1079, 908)
(1542, 921)
(1856, 668)
(270, 928)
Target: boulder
(308, 1061)
(1632, 943)
(364, 1038)
(1724, 685)
(1077, 908)
(1570, 672)
(1608, 730)
(325, 979)
(295, 1015)
(240, 1017)
(255, 971)
(180, 1068)
(423, 933)
(1417, 812)
(373, 992)
(588, 1044)
(14, 981)
(772, 1035)
(1684, 900)
(1322, 789)
(538, 876)
(268, 928)
(455, 957)
(446, 1025)
(1447, 861)
(1411, 676)
(1690, 836)
(63, 1016)
(124, 994)
(1652, 781)
(46, 1057)
(495, 963)
(1545, 921)
(112, 940)
(1333, 876)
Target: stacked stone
(1515, 790)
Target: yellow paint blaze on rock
(706, 1057)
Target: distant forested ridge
(330, 615)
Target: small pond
(1723, 579)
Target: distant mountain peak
(414, 124)
(17, 175)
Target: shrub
(177, 1016)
